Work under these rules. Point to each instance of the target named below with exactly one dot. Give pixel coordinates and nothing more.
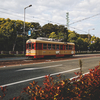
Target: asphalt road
(16, 78)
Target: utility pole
(24, 29)
(67, 18)
(66, 29)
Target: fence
(12, 52)
(22, 52)
(77, 52)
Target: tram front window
(29, 46)
(32, 45)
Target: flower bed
(85, 87)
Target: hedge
(85, 87)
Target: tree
(79, 44)
(97, 44)
(47, 29)
(72, 37)
(53, 35)
(60, 35)
(86, 44)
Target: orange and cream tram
(40, 48)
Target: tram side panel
(39, 50)
(51, 52)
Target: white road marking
(14, 83)
(38, 68)
(78, 76)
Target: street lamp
(89, 32)
(24, 30)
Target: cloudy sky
(84, 15)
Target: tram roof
(51, 42)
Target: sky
(84, 15)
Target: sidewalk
(13, 58)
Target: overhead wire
(14, 14)
(84, 19)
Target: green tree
(47, 29)
(80, 44)
(72, 37)
(53, 35)
(60, 35)
(86, 44)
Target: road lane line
(78, 76)
(14, 83)
(38, 68)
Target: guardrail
(22, 52)
(79, 52)
(12, 52)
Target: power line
(13, 14)
(84, 19)
(79, 30)
(41, 19)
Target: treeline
(11, 35)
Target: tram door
(39, 48)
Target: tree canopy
(11, 35)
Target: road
(18, 77)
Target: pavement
(13, 58)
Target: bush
(85, 87)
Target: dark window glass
(29, 46)
(32, 45)
(61, 47)
(26, 46)
(53, 46)
(66, 47)
(70, 47)
(36, 46)
(49, 46)
(57, 47)
(44, 46)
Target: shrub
(3, 90)
(88, 87)
(85, 87)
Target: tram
(42, 47)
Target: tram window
(61, 47)
(26, 46)
(29, 46)
(66, 47)
(49, 46)
(70, 47)
(53, 46)
(44, 46)
(32, 45)
(57, 47)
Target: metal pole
(24, 33)
(88, 34)
(24, 30)
(67, 18)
